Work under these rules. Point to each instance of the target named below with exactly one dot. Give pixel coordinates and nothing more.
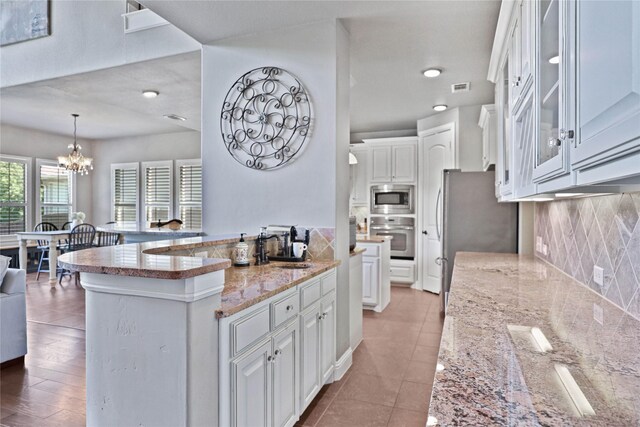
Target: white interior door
(437, 155)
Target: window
(14, 194)
(158, 191)
(124, 194)
(55, 193)
(189, 183)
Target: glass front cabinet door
(556, 105)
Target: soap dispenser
(241, 253)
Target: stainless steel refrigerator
(473, 221)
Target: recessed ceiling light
(554, 60)
(175, 117)
(150, 93)
(440, 107)
(432, 72)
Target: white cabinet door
(310, 354)
(360, 176)
(381, 165)
(328, 336)
(285, 376)
(608, 62)
(251, 383)
(404, 163)
(370, 280)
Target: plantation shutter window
(13, 195)
(124, 188)
(158, 191)
(55, 200)
(190, 193)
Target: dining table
(52, 238)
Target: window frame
(6, 239)
(114, 166)
(180, 163)
(143, 183)
(36, 194)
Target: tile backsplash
(599, 231)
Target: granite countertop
(246, 286)
(497, 370)
(147, 259)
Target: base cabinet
(376, 270)
(251, 381)
(370, 280)
(271, 380)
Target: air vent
(460, 87)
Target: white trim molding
(343, 364)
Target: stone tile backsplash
(602, 231)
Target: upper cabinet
(608, 90)
(567, 77)
(489, 123)
(360, 175)
(393, 159)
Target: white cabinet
(376, 268)
(317, 337)
(608, 91)
(310, 354)
(523, 146)
(272, 379)
(251, 382)
(381, 164)
(285, 376)
(489, 123)
(520, 52)
(404, 163)
(327, 337)
(402, 271)
(370, 280)
(393, 159)
(360, 175)
(503, 165)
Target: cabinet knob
(277, 352)
(516, 82)
(289, 307)
(270, 358)
(566, 134)
(425, 232)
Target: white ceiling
(110, 101)
(391, 43)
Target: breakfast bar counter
(524, 344)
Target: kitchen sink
(294, 266)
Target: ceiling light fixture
(440, 107)
(432, 72)
(554, 60)
(150, 93)
(175, 117)
(75, 161)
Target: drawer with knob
(284, 309)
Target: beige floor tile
(354, 413)
(381, 366)
(372, 389)
(414, 396)
(420, 372)
(405, 418)
(429, 339)
(426, 354)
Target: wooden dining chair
(81, 237)
(43, 246)
(107, 238)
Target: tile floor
(389, 383)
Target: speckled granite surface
(495, 373)
(246, 286)
(357, 251)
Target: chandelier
(75, 161)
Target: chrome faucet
(261, 246)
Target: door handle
(425, 232)
(437, 211)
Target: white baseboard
(343, 364)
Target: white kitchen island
(179, 340)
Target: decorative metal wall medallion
(265, 118)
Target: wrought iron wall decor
(265, 118)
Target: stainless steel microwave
(392, 199)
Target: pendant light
(75, 161)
